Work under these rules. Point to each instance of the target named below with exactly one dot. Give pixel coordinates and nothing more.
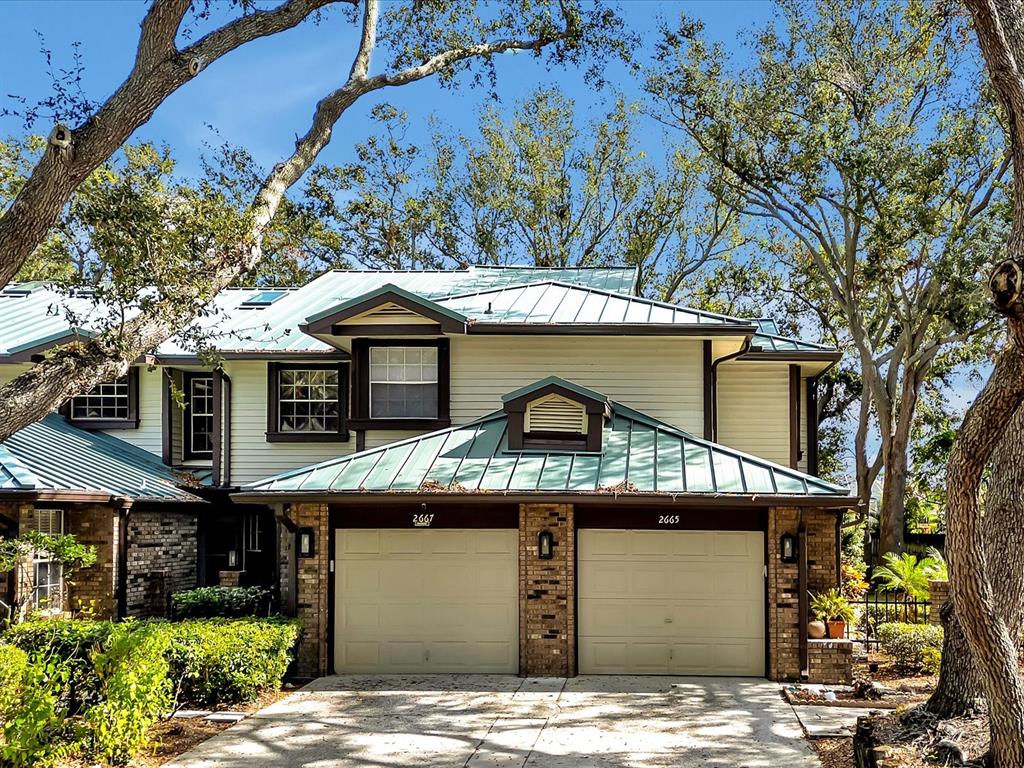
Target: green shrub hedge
(222, 602)
(216, 661)
(912, 646)
(94, 688)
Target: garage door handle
(668, 619)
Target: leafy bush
(36, 730)
(94, 688)
(222, 602)
(908, 575)
(67, 643)
(227, 661)
(13, 666)
(912, 646)
(133, 671)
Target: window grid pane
(308, 401)
(105, 402)
(201, 415)
(47, 575)
(403, 382)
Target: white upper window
(403, 382)
(106, 402)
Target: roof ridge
(604, 291)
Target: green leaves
(908, 575)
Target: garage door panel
(444, 602)
(692, 604)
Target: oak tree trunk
(959, 687)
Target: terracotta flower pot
(836, 630)
(816, 630)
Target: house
(492, 469)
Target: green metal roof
(552, 302)
(32, 314)
(639, 455)
(381, 291)
(569, 385)
(52, 455)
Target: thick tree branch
(159, 70)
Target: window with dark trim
(110, 405)
(307, 402)
(198, 422)
(400, 384)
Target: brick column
(547, 593)
(95, 588)
(783, 592)
(938, 592)
(311, 597)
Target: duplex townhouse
(491, 469)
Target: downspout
(714, 381)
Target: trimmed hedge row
(912, 646)
(94, 688)
(229, 602)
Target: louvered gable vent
(555, 413)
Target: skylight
(262, 299)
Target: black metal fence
(877, 608)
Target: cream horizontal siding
(753, 409)
(9, 371)
(659, 376)
(252, 457)
(149, 434)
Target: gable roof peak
(555, 381)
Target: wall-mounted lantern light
(232, 558)
(788, 548)
(306, 544)
(545, 545)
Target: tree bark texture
(959, 687)
(159, 70)
(999, 26)
(76, 368)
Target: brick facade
(161, 557)
(938, 594)
(783, 587)
(830, 661)
(547, 592)
(162, 551)
(312, 579)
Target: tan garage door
(439, 600)
(671, 602)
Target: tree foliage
(877, 171)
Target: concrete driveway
(485, 721)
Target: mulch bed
(175, 736)
(912, 739)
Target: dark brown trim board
(275, 436)
(709, 391)
(654, 518)
(226, 406)
(802, 597)
(812, 427)
(165, 415)
(426, 515)
(794, 416)
(361, 419)
(385, 329)
(218, 436)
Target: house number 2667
(422, 521)
(668, 519)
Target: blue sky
(262, 95)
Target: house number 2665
(668, 519)
(422, 521)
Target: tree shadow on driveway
(479, 721)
